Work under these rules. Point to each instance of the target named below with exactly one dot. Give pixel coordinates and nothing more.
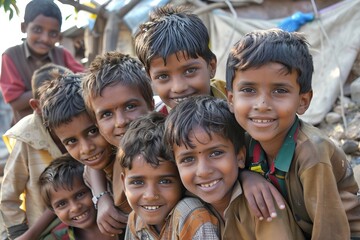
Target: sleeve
(71, 63)
(12, 86)
(14, 181)
(198, 222)
(323, 203)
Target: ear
(230, 99)
(241, 156)
(122, 175)
(212, 67)
(305, 99)
(35, 105)
(23, 27)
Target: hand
(110, 220)
(260, 195)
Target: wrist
(96, 198)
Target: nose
(121, 119)
(203, 168)
(151, 193)
(262, 104)
(87, 146)
(45, 36)
(179, 84)
(75, 206)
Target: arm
(110, 220)
(22, 102)
(71, 63)
(261, 195)
(13, 185)
(323, 203)
(41, 224)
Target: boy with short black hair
(31, 148)
(116, 91)
(63, 190)
(268, 78)
(209, 149)
(42, 24)
(154, 190)
(174, 47)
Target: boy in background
(154, 190)
(174, 48)
(208, 147)
(63, 190)
(269, 84)
(116, 91)
(32, 147)
(42, 24)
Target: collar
(28, 53)
(217, 88)
(285, 155)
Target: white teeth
(80, 217)
(261, 121)
(94, 157)
(151, 207)
(209, 184)
(178, 100)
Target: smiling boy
(64, 192)
(269, 76)
(174, 47)
(154, 190)
(42, 24)
(116, 91)
(208, 147)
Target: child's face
(265, 101)
(152, 192)
(42, 34)
(117, 106)
(210, 169)
(83, 141)
(74, 207)
(181, 77)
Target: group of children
(208, 163)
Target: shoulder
(190, 209)
(13, 49)
(218, 88)
(314, 142)
(313, 147)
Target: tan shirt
(321, 187)
(32, 150)
(240, 223)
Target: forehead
(45, 22)
(76, 126)
(62, 193)
(269, 73)
(140, 167)
(116, 96)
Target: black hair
(172, 30)
(60, 174)
(42, 7)
(260, 47)
(144, 136)
(61, 100)
(206, 112)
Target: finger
(280, 202)
(254, 208)
(110, 230)
(261, 204)
(269, 201)
(119, 216)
